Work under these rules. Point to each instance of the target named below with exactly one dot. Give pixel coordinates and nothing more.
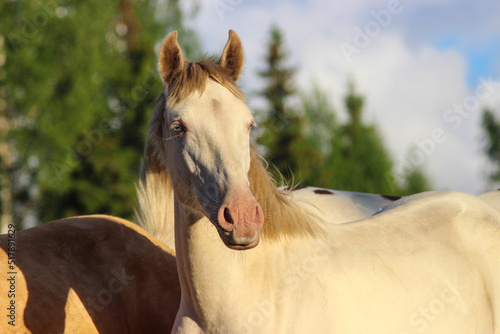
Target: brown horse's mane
(283, 218)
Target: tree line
(77, 90)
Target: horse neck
(220, 283)
(208, 268)
(208, 271)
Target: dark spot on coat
(323, 192)
(391, 198)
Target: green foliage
(281, 124)
(491, 130)
(410, 177)
(415, 181)
(318, 121)
(81, 80)
(359, 160)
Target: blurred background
(392, 97)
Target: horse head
(206, 135)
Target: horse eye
(178, 128)
(252, 126)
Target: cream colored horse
(90, 274)
(251, 260)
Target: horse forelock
(193, 78)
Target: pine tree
(491, 129)
(282, 124)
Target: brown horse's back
(89, 274)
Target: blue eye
(178, 128)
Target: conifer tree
(281, 122)
(491, 129)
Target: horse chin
(241, 246)
(238, 243)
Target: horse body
(90, 274)
(252, 259)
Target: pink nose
(242, 217)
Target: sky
(425, 68)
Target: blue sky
(423, 58)
(482, 60)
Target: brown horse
(89, 274)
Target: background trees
(76, 91)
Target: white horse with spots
(251, 260)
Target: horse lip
(226, 237)
(233, 246)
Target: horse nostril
(227, 216)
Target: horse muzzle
(239, 222)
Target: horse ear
(171, 60)
(232, 57)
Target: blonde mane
(283, 218)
